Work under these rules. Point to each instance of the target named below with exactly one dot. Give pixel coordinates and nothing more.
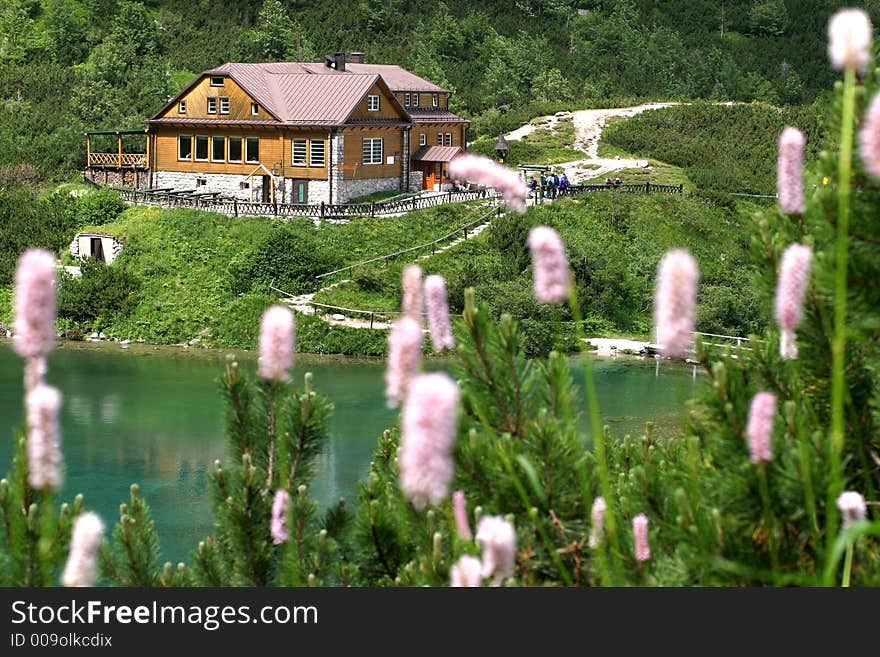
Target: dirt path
(588, 126)
(302, 303)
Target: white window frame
(304, 153)
(212, 103)
(247, 140)
(319, 162)
(217, 80)
(181, 107)
(180, 139)
(255, 109)
(415, 100)
(224, 102)
(439, 138)
(370, 157)
(423, 139)
(196, 157)
(229, 150)
(406, 100)
(447, 139)
(214, 139)
(373, 103)
(435, 100)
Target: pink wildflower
(550, 265)
(438, 313)
(82, 561)
(412, 292)
(791, 285)
(467, 572)
(640, 537)
(459, 508)
(280, 507)
(276, 344)
(789, 168)
(852, 507)
(34, 371)
(34, 304)
(849, 39)
(675, 301)
(487, 172)
(404, 353)
(598, 527)
(497, 538)
(869, 138)
(43, 437)
(428, 431)
(760, 427)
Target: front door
(430, 177)
(300, 191)
(267, 189)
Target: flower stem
(838, 342)
(769, 519)
(847, 565)
(598, 436)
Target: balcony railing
(118, 160)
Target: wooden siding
(387, 108)
(197, 102)
(431, 130)
(392, 144)
(275, 151)
(424, 100)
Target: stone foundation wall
(350, 189)
(416, 179)
(137, 179)
(227, 184)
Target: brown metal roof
(435, 116)
(436, 153)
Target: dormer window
(373, 103)
(435, 100)
(181, 107)
(255, 109)
(217, 81)
(212, 105)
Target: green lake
(154, 416)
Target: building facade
(293, 132)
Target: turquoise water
(154, 416)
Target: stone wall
(136, 179)
(416, 178)
(337, 155)
(354, 188)
(227, 184)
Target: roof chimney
(356, 57)
(340, 61)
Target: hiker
(563, 184)
(555, 188)
(533, 186)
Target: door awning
(436, 153)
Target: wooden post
(372, 209)
(119, 143)
(275, 208)
(371, 319)
(323, 209)
(235, 206)
(647, 187)
(88, 150)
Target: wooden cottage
(294, 132)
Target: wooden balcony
(118, 160)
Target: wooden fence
(213, 202)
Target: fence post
(235, 206)
(275, 207)
(465, 232)
(371, 319)
(680, 189)
(450, 197)
(372, 209)
(647, 187)
(322, 210)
